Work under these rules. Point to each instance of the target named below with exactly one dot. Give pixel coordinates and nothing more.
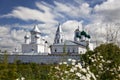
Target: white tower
(35, 35)
(59, 35)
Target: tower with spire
(35, 35)
(59, 35)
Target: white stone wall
(46, 59)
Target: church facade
(72, 47)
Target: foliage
(71, 70)
(104, 61)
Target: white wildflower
(78, 65)
(93, 60)
(93, 76)
(83, 78)
(66, 72)
(22, 78)
(57, 68)
(60, 63)
(74, 68)
(88, 75)
(64, 62)
(88, 68)
(73, 60)
(103, 60)
(84, 70)
(69, 59)
(73, 63)
(78, 74)
(71, 70)
(108, 61)
(101, 56)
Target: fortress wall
(41, 59)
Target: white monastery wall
(46, 59)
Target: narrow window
(55, 50)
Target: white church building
(78, 46)
(36, 44)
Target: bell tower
(59, 35)
(35, 35)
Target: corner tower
(59, 35)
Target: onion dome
(35, 29)
(88, 36)
(83, 33)
(26, 37)
(37, 36)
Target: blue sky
(6, 6)
(17, 17)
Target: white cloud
(109, 11)
(27, 14)
(10, 39)
(82, 10)
(49, 13)
(69, 28)
(108, 5)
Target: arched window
(55, 50)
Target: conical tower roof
(59, 29)
(35, 29)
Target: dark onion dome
(83, 33)
(88, 36)
(26, 37)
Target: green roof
(85, 34)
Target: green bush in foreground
(104, 62)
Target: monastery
(34, 43)
(35, 49)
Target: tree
(104, 61)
